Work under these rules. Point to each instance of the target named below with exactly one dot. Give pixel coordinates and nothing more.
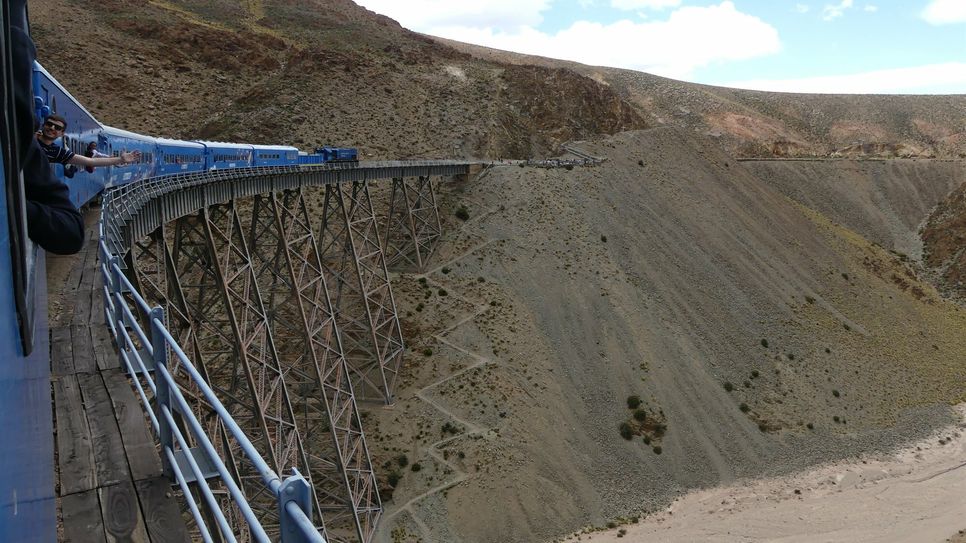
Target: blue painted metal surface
(27, 508)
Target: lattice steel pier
(287, 313)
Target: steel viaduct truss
(275, 282)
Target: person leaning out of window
(54, 127)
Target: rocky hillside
(775, 124)
(307, 72)
(592, 342)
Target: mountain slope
(759, 336)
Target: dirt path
(470, 428)
(913, 495)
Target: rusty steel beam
(315, 365)
(355, 266)
(413, 227)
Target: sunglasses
(55, 126)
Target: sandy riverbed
(916, 494)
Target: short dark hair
(56, 117)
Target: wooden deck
(109, 486)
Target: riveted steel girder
(413, 227)
(355, 265)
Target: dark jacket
(52, 220)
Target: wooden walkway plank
(136, 432)
(161, 513)
(61, 351)
(110, 463)
(82, 518)
(123, 522)
(82, 308)
(75, 452)
(83, 349)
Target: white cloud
(947, 78)
(689, 38)
(940, 12)
(870, 8)
(586, 3)
(833, 12)
(801, 8)
(503, 15)
(632, 5)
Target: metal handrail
(292, 494)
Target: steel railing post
(295, 490)
(114, 270)
(163, 395)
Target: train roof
(273, 147)
(39, 67)
(224, 144)
(127, 134)
(180, 143)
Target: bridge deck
(110, 485)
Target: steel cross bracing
(413, 223)
(155, 277)
(236, 346)
(365, 309)
(240, 277)
(290, 266)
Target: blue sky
(838, 46)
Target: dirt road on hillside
(914, 495)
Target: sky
(837, 46)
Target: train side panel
(176, 156)
(221, 155)
(275, 155)
(113, 142)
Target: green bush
(657, 449)
(626, 431)
(416, 467)
(462, 213)
(744, 407)
(728, 386)
(402, 460)
(640, 415)
(393, 479)
(633, 402)
(764, 343)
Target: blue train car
(275, 155)
(27, 506)
(176, 156)
(220, 155)
(114, 141)
(313, 158)
(338, 154)
(82, 128)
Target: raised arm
(120, 160)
